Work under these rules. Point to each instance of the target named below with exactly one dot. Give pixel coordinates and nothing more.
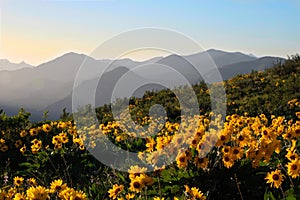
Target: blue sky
(36, 31)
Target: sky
(36, 31)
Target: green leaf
(290, 198)
(269, 196)
(293, 193)
(121, 177)
(29, 165)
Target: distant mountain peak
(6, 65)
(214, 50)
(228, 52)
(252, 55)
(66, 57)
(73, 55)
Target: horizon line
(140, 60)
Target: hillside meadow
(255, 154)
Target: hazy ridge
(49, 86)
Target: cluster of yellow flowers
(139, 180)
(294, 103)
(275, 178)
(60, 132)
(36, 146)
(3, 146)
(116, 191)
(253, 139)
(30, 190)
(194, 193)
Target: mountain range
(7, 65)
(49, 86)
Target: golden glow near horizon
(34, 51)
(31, 52)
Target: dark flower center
(136, 185)
(226, 150)
(275, 177)
(58, 187)
(236, 151)
(294, 167)
(241, 138)
(181, 159)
